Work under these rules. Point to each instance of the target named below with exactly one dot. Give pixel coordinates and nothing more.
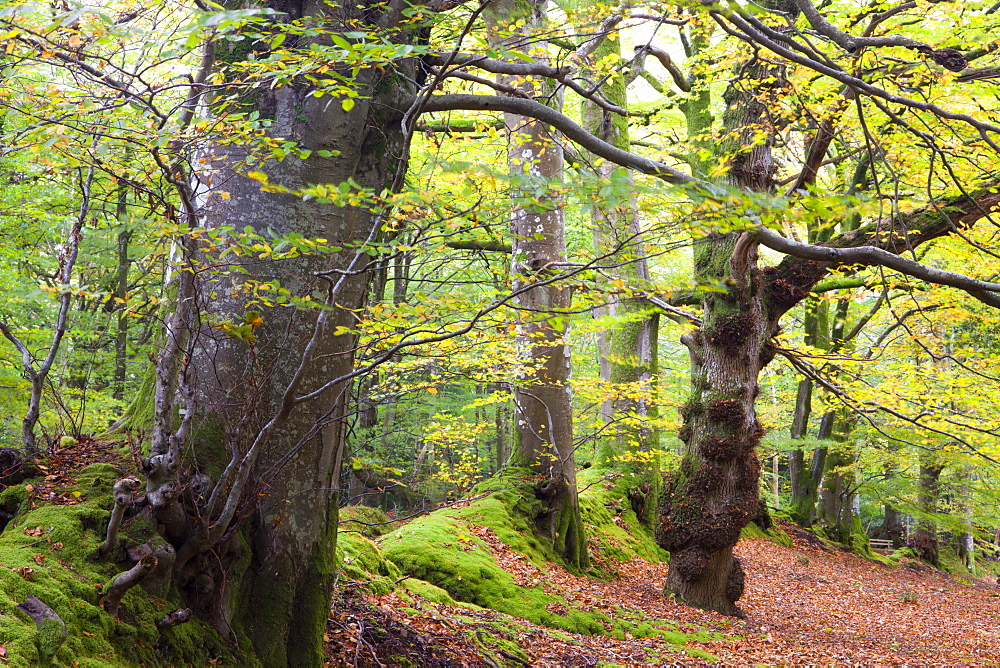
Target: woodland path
(806, 605)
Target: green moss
(615, 532)
(139, 414)
(369, 521)
(51, 636)
(65, 578)
(441, 549)
(432, 593)
(775, 534)
(950, 562)
(362, 565)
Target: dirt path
(805, 606)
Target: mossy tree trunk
(543, 407)
(248, 497)
(807, 475)
(924, 539)
(714, 494)
(836, 502)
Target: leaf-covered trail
(805, 605)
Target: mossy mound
(775, 534)
(459, 550)
(57, 544)
(366, 520)
(615, 532)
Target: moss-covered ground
(484, 554)
(47, 551)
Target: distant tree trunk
(924, 540)
(628, 346)
(121, 293)
(503, 421)
(836, 503)
(892, 527)
(543, 407)
(804, 478)
(966, 539)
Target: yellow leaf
(432, 390)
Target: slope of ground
(806, 605)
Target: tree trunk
(503, 421)
(268, 580)
(924, 540)
(963, 509)
(803, 502)
(714, 495)
(715, 492)
(543, 408)
(628, 346)
(121, 292)
(893, 526)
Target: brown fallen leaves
(52, 486)
(806, 605)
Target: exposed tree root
(125, 581)
(123, 491)
(175, 618)
(51, 628)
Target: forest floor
(808, 604)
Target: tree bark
(268, 578)
(924, 540)
(543, 407)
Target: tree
(286, 151)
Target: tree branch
(675, 73)
(984, 291)
(564, 124)
(125, 581)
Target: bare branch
(668, 64)
(845, 41)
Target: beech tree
(286, 147)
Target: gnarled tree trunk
(715, 493)
(264, 573)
